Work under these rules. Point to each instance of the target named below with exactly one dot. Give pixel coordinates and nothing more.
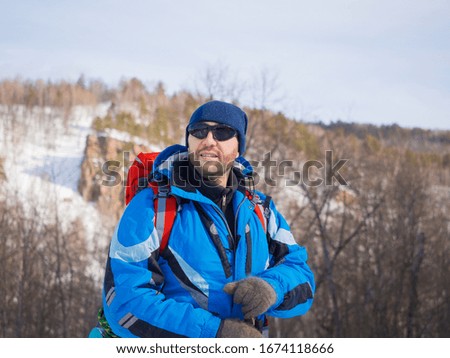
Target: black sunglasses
(220, 132)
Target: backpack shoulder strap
(260, 216)
(262, 209)
(165, 213)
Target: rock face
(103, 172)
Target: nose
(209, 140)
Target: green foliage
(100, 124)
(372, 144)
(123, 121)
(143, 109)
(160, 126)
(424, 160)
(190, 104)
(292, 134)
(126, 122)
(389, 134)
(304, 141)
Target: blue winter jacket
(179, 293)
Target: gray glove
(231, 328)
(254, 294)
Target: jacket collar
(171, 166)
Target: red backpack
(166, 204)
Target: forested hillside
(370, 204)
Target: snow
(42, 161)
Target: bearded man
(230, 260)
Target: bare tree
(217, 81)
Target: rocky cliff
(103, 172)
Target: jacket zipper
(224, 201)
(236, 216)
(221, 214)
(218, 211)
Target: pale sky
(375, 61)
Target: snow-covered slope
(42, 159)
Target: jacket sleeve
(132, 300)
(288, 272)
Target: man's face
(212, 158)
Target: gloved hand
(253, 293)
(237, 329)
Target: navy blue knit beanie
(224, 113)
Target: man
(225, 267)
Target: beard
(214, 168)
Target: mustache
(202, 151)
